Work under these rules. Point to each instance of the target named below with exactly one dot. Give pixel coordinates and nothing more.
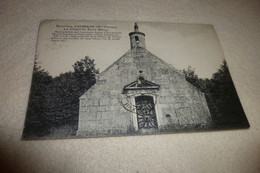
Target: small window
(168, 115)
(136, 38)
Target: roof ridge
(114, 63)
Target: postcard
(115, 78)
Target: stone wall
(178, 103)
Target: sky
(180, 45)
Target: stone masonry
(109, 108)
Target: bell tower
(137, 39)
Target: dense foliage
(225, 107)
(54, 102)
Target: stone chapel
(140, 94)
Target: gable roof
(133, 85)
(140, 49)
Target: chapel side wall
(100, 111)
(181, 103)
(102, 115)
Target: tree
(35, 124)
(223, 102)
(223, 93)
(193, 78)
(85, 73)
(54, 102)
(66, 90)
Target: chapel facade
(140, 94)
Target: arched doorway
(145, 111)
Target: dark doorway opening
(145, 110)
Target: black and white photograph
(117, 78)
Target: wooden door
(145, 110)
